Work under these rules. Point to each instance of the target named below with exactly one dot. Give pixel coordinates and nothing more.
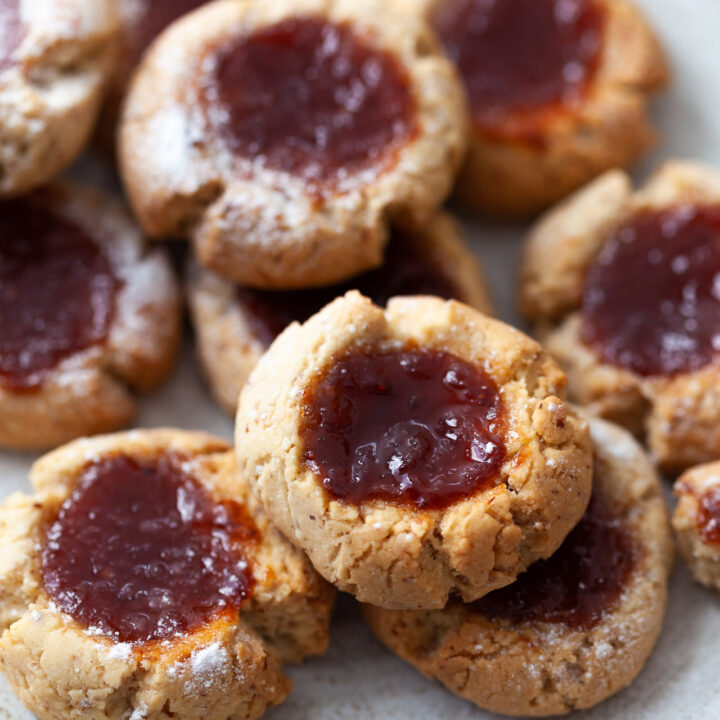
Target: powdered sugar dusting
(208, 663)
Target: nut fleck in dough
(697, 523)
(91, 391)
(607, 127)
(51, 87)
(679, 415)
(228, 668)
(264, 227)
(538, 668)
(229, 346)
(399, 556)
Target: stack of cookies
(485, 497)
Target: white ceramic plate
(358, 679)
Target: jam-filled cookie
(415, 451)
(623, 286)
(558, 93)
(574, 629)
(134, 583)
(54, 58)
(140, 22)
(236, 325)
(87, 315)
(283, 138)
(697, 522)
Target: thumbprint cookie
(283, 138)
(54, 59)
(236, 325)
(697, 522)
(558, 93)
(413, 451)
(87, 316)
(624, 287)
(573, 629)
(135, 583)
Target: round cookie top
(573, 629)
(521, 58)
(414, 451)
(57, 292)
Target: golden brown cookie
(696, 522)
(134, 584)
(54, 58)
(234, 326)
(88, 316)
(573, 629)
(284, 138)
(413, 452)
(558, 92)
(622, 287)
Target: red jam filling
(407, 271)
(311, 98)
(518, 56)
(652, 299)
(416, 426)
(708, 522)
(57, 293)
(141, 552)
(12, 32)
(578, 584)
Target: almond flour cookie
(135, 584)
(54, 58)
(413, 452)
(87, 316)
(623, 288)
(697, 522)
(235, 326)
(558, 92)
(573, 629)
(283, 138)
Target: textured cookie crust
(50, 98)
(228, 347)
(262, 227)
(225, 669)
(92, 390)
(608, 128)
(702, 557)
(398, 556)
(535, 668)
(679, 416)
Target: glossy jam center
(652, 299)
(709, 516)
(57, 292)
(313, 99)
(11, 32)
(416, 426)
(517, 55)
(578, 584)
(140, 551)
(407, 271)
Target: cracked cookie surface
(399, 554)
(519, 653)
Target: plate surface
(358, 679)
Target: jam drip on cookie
(12, 32)
(406, 271)
(311, 98)
(652, 299)
(579, 584)
(520, 56)
(708, 521)
(415, 426)
(141, 552)
(57, 293)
